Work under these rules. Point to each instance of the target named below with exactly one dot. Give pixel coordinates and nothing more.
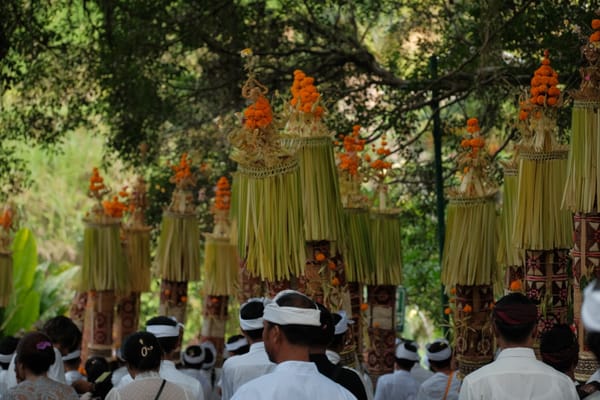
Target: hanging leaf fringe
(221, 268)
(582, 188)
(470, 244)
(269, 220)
(178, 252)
(137, 250)
(508, 254)
(104, 264)
(540, 223)
(387, 248)
(357, 249)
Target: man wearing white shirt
(516, 373)
(238, 370)
(590, 316)
(291, 322)
(399, 385)
(444, 383)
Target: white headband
(256, 323)
(406, 354)
(441, 355)
(292, 315)
(342, 325)
(241, 342)
(163, 330)
(6, 358)
(71, 356)
(590, 309)
(193, 359)
(210, 346)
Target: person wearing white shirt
(559, 349)
(516, 373)
(8, 345)
(400, 385)
(444, 383)
(192, 359)
(238, 370)
(169, 333)
(291, 322)
(142, 353)
(590, 316)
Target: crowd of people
(289, 348)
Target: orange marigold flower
(364, 306)
(335, 281)
(167, 292)
(595, 37)
(596, 24)
(467, 308)
(453, 290)
(259, 114)
(515, 285)
(183, 299)
(320, 257)
(551, 101)
(331, 265)
(447, 311)
(523, 115)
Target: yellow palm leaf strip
(104, 265)
(357, 248)
(387, 249)
(6, 280)
(220, 267)
(508, 254)
(138, 259)
(178, 252)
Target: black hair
(302, 335)
(35, 352)
(94, 368)
(514, 333)
(142, 351)
(242, 349)
(253, 310)
(193, 351)
(62, 331)
(338, 340)
(327, 330)
(8, 345)
(559, 348)
(169, 343)
(593, 342)
(403, 362)
(209, 356)
(436, 347)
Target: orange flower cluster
(305, 95)
(515, 286)
(382, 151)
(352, 145)
(6, 219)
(320, 257)
(96, 182)
(544, 90)
(364, 306)
(595, 37)
(476, 143)
(467, 308)
(114, 208)
(182, 170)
(259, 114)
(223, 194)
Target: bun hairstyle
(142, 351)
(35, 352)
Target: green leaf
(25, 259)
(23, 314)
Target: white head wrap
(72, 356)
(291, 315)
(209, 346)
(342, 325)
(252, 324)
(5, 358)
(164, 330)
(590, 309)
(188, 359)
(406, 354)
(441, 355)
(241, 342)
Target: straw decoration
(470, 245)
(540, 224)
(470, 248)
(267, 193)
(508, 254)
(357, 247)
(387, 249)
(221, 267)
(178, 252)
(104, 263)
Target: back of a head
(63, 332)
(237, 344)
(96, 366)
(35, 352)
(515, 317)
(193, 356)
(8, 345)
(439, 354)
(210, 354)
(406, 354)
(166, 330)
(142, 352)
(590, 315)
(297, 334)
(327, 328)
(251, 314)
(559, 348)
